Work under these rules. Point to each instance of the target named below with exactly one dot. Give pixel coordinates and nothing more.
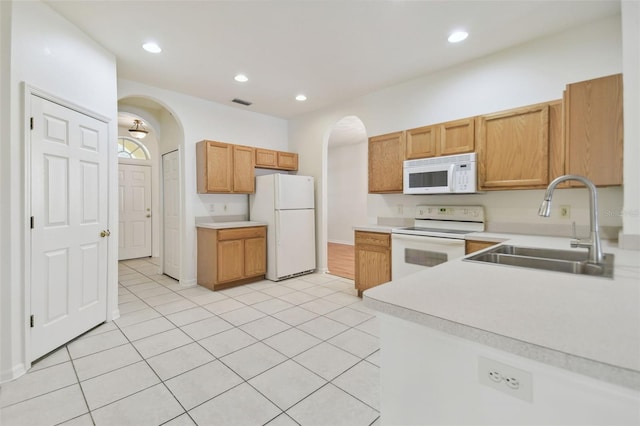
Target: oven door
(414, 253)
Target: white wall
(201, 119)
(631, 81)
(530, 73)
(53, 55)
(346, 190)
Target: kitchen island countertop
(589, 325)
(227, 225)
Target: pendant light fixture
(137, 130)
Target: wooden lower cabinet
(232, 256)
(373, 259)
(471, 246)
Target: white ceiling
(331, 50)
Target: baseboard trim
(14, 373)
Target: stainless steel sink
(573, 262)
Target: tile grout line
(84, 397)
(315, 297)
(361, 359)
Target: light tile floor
(302, 351)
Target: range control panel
(452, 213)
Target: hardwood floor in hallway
(341, 259)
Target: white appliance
(450, 174)
(436, 237)
(286, 203)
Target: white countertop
(586, 324)
(375, 228)
(226, 225)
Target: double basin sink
(573, 262)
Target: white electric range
(438, 235)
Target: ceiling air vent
(241, 102)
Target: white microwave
(451, 174)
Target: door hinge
(31, 222)
(31, 321)
(31, 123)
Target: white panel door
(295, 242)
(171, 214)
(134, 195)
(69, 158)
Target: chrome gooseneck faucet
(593, 243)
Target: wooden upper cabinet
(386, 156)
(224, 168)
(594, 130)
(513, 148)
(243, 169)
(214, 164)
(450, 138)
(287, 160)
(280, 160)
(422, 142)
(457, 137)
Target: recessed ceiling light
(301, 98)
(241, 78)
(151, 47)
(458, 36)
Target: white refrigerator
(286, 203)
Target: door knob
(149, 215)
(103, 234)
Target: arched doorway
(162, 146)
(346, 173)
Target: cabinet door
(255, 256)
(287, 160)
(215, 164)
(243, 169)
(266, 158)
(457, 137)
(386, 154)
(373, 266)
(230, 260)
(513, 148)
(422, 142)
(594, 130)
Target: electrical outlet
(212, 208)
(504, 378)
(565, 212)
(399, 209)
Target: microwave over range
(451, 174)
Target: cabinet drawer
(373, 238)
(242, 233)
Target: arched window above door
(133, 149)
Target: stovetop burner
(445, 221)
